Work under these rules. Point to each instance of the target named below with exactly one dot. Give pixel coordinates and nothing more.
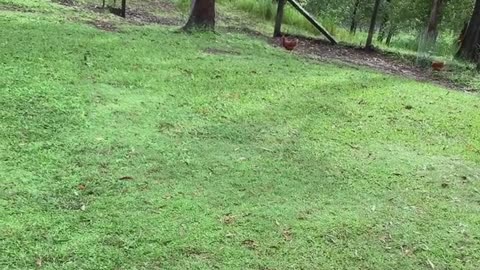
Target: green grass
(253, 159)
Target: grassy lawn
(151, 149)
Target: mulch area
(104, 25)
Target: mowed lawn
(146, 148)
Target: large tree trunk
(373, 23)
(434, 20)
(353, 25)
(470, 46)
(202, 15)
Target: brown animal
(438, 65)
(288, 43)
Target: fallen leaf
(39, 262)
(353, 146)
(83, 207)
(431, 264)
(287, 235)
(229, 219)
(250, 244)
(385, 238)
(407, 251)
(81, 187)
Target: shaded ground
(103, 25)
(141, 16)
(381, 61)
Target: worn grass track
(149, 149)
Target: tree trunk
(383, 25)
(427, 40)
(435, 18)
(373, 23)
(353, 25)
(469, 47)
(391, 32)
(461, 37)
(202, 15)
(382, 30)
(278, 20)
(124, 8)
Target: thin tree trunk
(427, 40)
(373, 22)
(124, 8)
(383, 25)
(469, 47)
(202, 15)
(278, 20)
(434, 21)
(382, 30)
(353, 25)
(391, 32)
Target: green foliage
(266, 10)
(407, 18)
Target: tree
(435, 17)
(278, 21)
(470, 45)
(428, 39)
(373, 23)
(385, 21)
(353, 24)
(202, 15)
(391, 32)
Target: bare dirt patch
(68, 3)
(162, 5)
(218, 51)
(104, 25)
(139, 16)
(17, 8)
